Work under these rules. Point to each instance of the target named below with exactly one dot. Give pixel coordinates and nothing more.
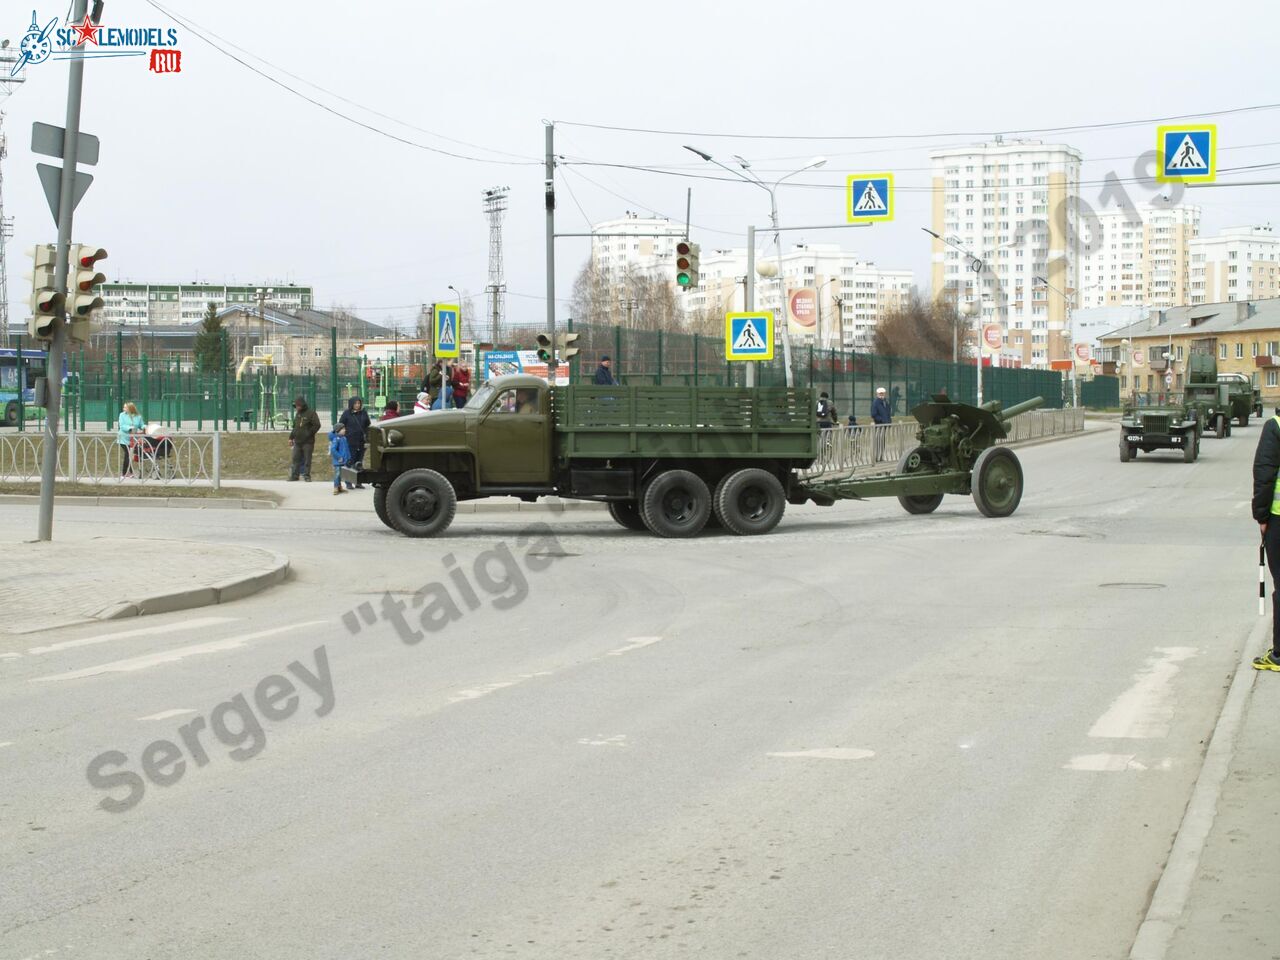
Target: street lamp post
(773, 219)
(969, 309)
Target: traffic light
(544, 348)
(84, 275)
(686, 264)
(45, 301)
(567, 349)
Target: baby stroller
(152, 454)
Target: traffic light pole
(550, 192)
(57, 349)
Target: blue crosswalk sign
(869, 197)
(446, 330)
(748, 336)
(1186, 153)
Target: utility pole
(57, 349)
(549, 188)
(8, 83)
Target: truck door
(513, 443)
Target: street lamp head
(704, 156)
(968, 308)
(742, 162)
(815, 163)
(767, 268)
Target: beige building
(1014, 205)
(1247, 335)
(1240, 263)
(1138, 257)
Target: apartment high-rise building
(1138, 257)
(617, 256)
(130, 303)
(1014, 206)
(1240, 263)
(853, 294)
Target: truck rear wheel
(918, 461)
(997, 482)
(1191, 448)
(676, 503)
(380, 505)
(11, 413)
(627, 514)
(421, 503)
(750, 502)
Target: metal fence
(97, 458)
(882, 446)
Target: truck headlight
(394, 437)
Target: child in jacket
(339, 456)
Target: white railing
(883, 445)
(178, 458)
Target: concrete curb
(1169, 900)
(191, 503)
(236, 588)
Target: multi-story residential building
(168, 303)
(647, 256)
(1138, 256)
(1240, 263)
(1014, 206)
(1247, 335)
(853, 294)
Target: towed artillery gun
(667, 459)
(957, 453)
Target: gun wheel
(997, 482)
(918, 461)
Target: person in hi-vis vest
(1266, 510)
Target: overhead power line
(187, 25)
(991, 131)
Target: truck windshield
(481, 397)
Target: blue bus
(18, 381)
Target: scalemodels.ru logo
(89, 39)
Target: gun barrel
(1011, 412)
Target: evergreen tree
(208, 348)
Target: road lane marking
(615, 741)
(475, 693)
(827, 753)
(194, 624)
(635, 643)
(1113, 763)
(10, 656)
(6, 743)
(172, 656)
(166, 714)
(1143, 712)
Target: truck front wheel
(676, 503)
(1220, 426)
(1190, 448)
(380, 505)
(750, 501)
(421, 503)
(1126, 451)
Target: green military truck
(666, 459)
(1160, 422)
(1204, 391)
(1245, 399)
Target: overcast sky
(220, 175)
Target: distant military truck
(1245, 398)
(1160, 422)
(1205, 391)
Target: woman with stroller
(130, 422)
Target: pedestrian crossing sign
(869, 197)
(1187, 153)
(748, 336)
(447, 330)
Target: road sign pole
(749, 292)
(57, 349)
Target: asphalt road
(867, 735)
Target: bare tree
(630, 300)
(921, 328)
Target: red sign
(1083, 353)
(803, 309)
(993, 336)
(1138, 357)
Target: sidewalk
(107, 578)
(1233, 912)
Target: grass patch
(265, 456)
(132, 488)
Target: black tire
(626, 513)
(1243, 419)
(1220, 426)
(997, 482)
(380, 505)
(1228, 423)
(676, 503)
(750, 502)
(1126, 451)
(918, 461)
(1191, 449)
(421, 503)
(11, 413)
